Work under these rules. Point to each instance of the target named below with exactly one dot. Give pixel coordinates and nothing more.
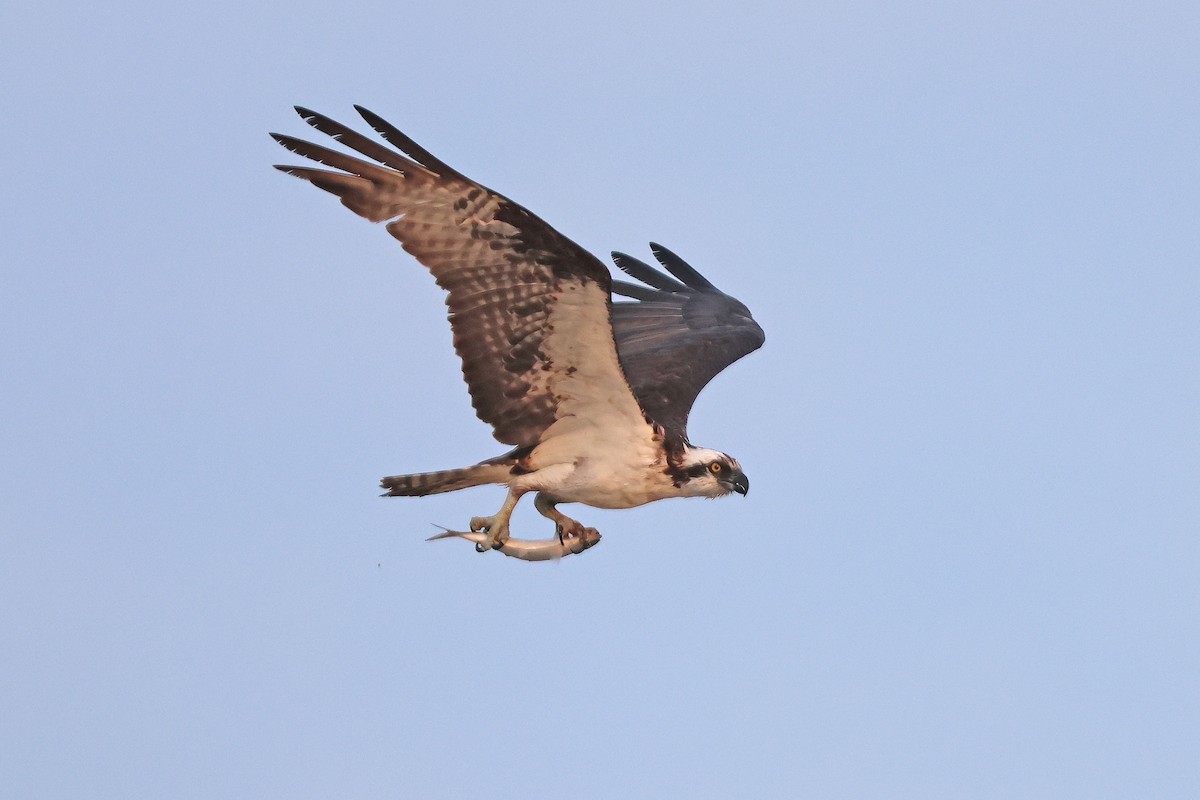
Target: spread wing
(529, 308)
(677, 336)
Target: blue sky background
(968, 565)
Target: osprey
(592, 395)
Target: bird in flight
(592, 395)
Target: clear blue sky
(968, 565)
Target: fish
(530, 549)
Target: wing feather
(529, 308)
(645, 273)
(679, 268)
(678, 336)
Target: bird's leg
(564, 526)
(496, 526)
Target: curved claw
(568, 528)
(578, 541)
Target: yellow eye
(715, 468)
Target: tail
(423, 483)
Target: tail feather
(423, 483)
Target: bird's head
(711, 473)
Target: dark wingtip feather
(680, 268)
(303, 173)
(408, 146)
(289, 142)
(355, 140)
(635, 291)
(317, 119)
(636, 268)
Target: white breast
(580, 461)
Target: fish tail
(446, 534)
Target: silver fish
(530, 549)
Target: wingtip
(370, 116)
(657, 249)
(680, 268)
(306, 114)
(660, 252)
(285, 140)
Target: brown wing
(529, 308)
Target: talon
(568, 530)
(494, 528)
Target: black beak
(741, 484)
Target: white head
(709, 473)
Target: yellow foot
(568, 529)
(497, 534)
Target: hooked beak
(741, 484)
